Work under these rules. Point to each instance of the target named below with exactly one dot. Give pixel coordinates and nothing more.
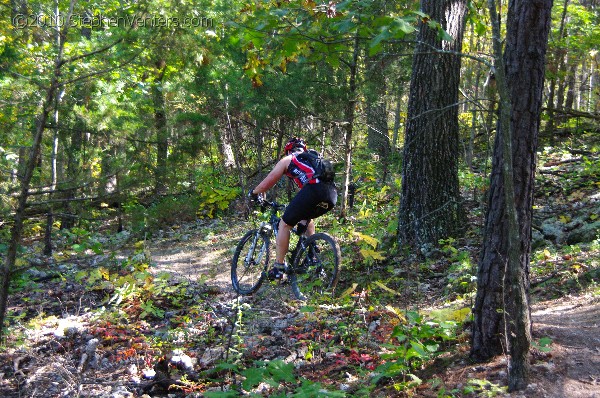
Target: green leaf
(221, 394)
(404, 26)
(282, 371)
(290, 46)
(226, 366)
(398, 333)
(419, 349)
(432, 347)
(480, 28)
(420, 14)
(345, 26)
(253, 378)
(97, 248)
(384, 34)
(280, 12)
(543, 344)
(443, 35)
(333, 60)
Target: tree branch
(100, 72)
(89, 54)
(572, 112)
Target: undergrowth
(399, 321)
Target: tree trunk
(591, 103)
(554, 67)
(501, 304)
(162, 134)
(396, 128)
(377, 126)
(73, 154)
(429, 207)
(562, 82)
(349, 124)
(282, 135)
(53, 171)
(571, 78)
(53, 157)
(226, 139)
(474, 71)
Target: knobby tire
(247, 277)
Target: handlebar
(264, 203)
(274, 205)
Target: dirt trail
(573, 324)
(196, 256)
(572, 369)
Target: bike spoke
(316, 269)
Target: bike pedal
(275, 274)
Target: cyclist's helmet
(293, 144)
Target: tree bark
(501, 304)
(430, 199)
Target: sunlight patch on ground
(195, 263)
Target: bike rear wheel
(315, 270)
(250, 261)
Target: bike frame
(272, 226)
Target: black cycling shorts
(312, 201)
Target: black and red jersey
(301, 171)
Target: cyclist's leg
(324, 198)
(299, 207)
(295, 211)
(312, 201)
(310, 227)
(317, 200)
(283, 241)
(305, 227)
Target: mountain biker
(314, 199)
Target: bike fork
(250, 254)
(299, 246)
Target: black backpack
(323, 167)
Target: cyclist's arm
(274, 176)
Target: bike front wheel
(315, 270)
(250, 261)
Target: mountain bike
(314, 262)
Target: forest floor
(156, 318)
(50, 359)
